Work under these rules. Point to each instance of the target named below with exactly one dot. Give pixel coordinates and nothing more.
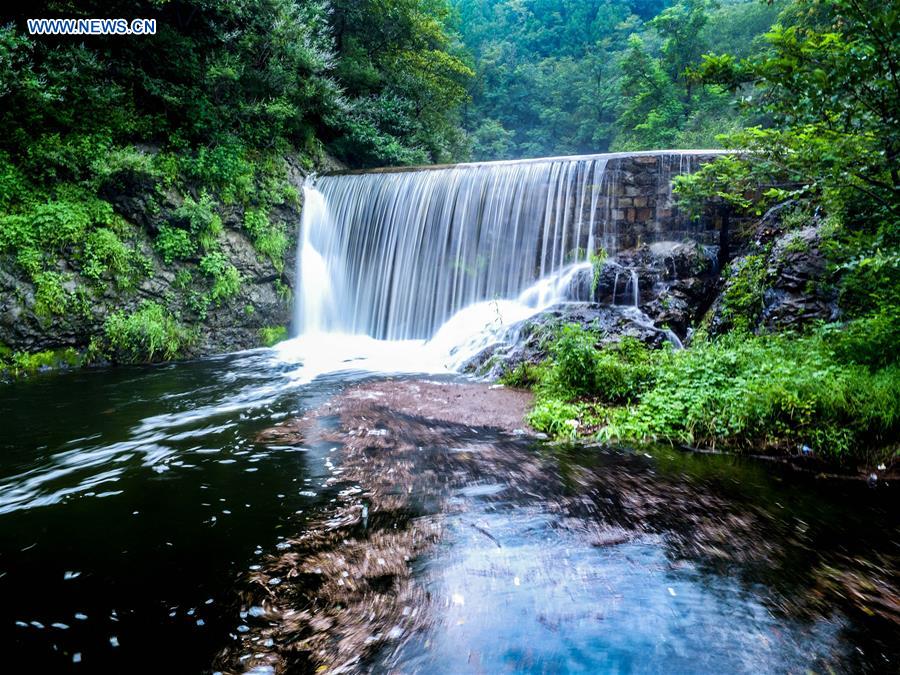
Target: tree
(650, 110)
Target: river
(146, 511)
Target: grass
(272, 335)
(17, 364)
(152, 333)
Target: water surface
(137, 504)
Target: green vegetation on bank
(826, 84)
(738, 392)
(125, 159)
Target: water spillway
(393, 254)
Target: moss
(272, 335)
(21, 364)
(742, 299)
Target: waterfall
(419, 270)
(394, 255)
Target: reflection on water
(229, 513)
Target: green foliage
(558, 77)
(283, 291)
(226, 280)
(574, 362)
(173, 243)
(727, 180)
(524, 375)
(104, 253)
(768, 391)
(50, 298)
(201, 219)
(578, 370)
(597, 260)
(554, 417)
(742, 298)
(151, 333)
(19, 364)
(270, 239)
(272, 335)
(743, 392)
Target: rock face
(799, 293)
(263, 299)
(780, 279)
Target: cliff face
(185, 289)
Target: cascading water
(404, 251)
(445, 258)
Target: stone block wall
(637, 204)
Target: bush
(50, 298)
(554, 417)
(578, 370)
(269, 239)
(574, 359)
(173, 243)
(836, 390)
(765, 392)
(151, 333)
(204, 223)
(742, 299)
(105, 253)
(225, 277)
(623, 371)
(524, 375)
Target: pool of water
(136, 504)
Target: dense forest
(569, 77)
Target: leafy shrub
(765, 391)
(742, 299)
(225, 277)
(50, 298)
(104, 252)
(200, 217)
(183, 279)
(870, 340)
(284, 291)
(574, 363)
(836, 390)
(173, 243)
(270, 239)
(554, 417)
(622, 372)
(225, 168)
(524, 375)
(151, 333)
